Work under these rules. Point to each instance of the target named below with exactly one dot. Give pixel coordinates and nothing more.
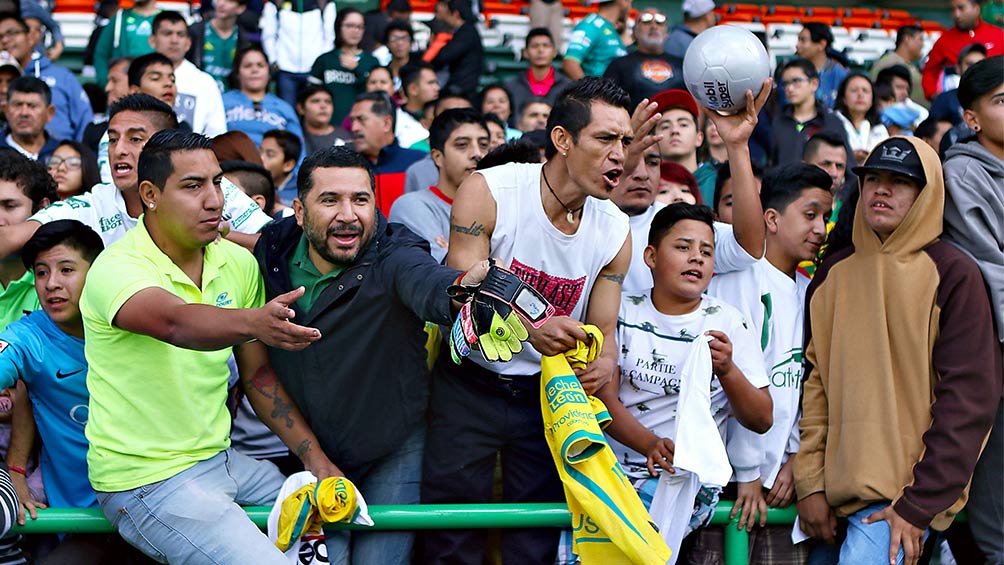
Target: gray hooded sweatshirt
(974, 214)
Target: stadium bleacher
(863, 34)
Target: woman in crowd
(344, 69)
(855, 106)
(495, 99)
(380, 79)
(74, 168)
(249, 106)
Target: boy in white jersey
(770, 295)
(655, 329)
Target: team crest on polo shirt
(3, 345)
(656, 71)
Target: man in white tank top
(555, 226)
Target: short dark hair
(723, 174)
(927, 128)
(819, 32)
(397, 25)
(155, 164)
(495, 86)
(829, 138)
(16, 17)
(310, 90)
(980, 79)
(336, 157)
(254, 179)
(167, 16)
(804, 64)
(140, 64)
(532, 100)
(574, 108)
(444, 124)
(287, 141)
(71, 233)
(840, 104)
(785, 183)
(883, 91)
(29, 175)
(668, 217)
(233, 79)
(381, 105)
(968, 49)
(30, 85)
(539, 32)
(450, 94)
(89, 172)
(340, 19)
(909, 30)
(461, 6)
(162, 115)
(410, 73)
(512, 151)
(896, 71)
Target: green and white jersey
(218, 55)
(103, 209)
(594, 43)
(773, 304)
(653, 351)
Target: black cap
(896, 155)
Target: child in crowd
(280, 152)
(655, 330)
(796, 201)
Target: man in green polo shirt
(25, 188)
(162, 312)
(595, 41)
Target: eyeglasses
(793, 82)
(72, 163)
(649, 17)
(14, 32)
(398, 38)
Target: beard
(318, 236)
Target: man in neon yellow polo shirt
(162, 312)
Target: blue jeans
(395, 479)
(288, 85)
(865, 543)
(196, 517)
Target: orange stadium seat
(790, 11)
(896, 15)
(858, 13)
(859, 21)
(820, 11)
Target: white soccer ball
(721, 64)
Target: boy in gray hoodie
(974, 219)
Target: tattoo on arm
(474, 229)
(266, 383)
(615, 277)
(303, 448)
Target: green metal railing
(421, 517)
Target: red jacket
(945, 52)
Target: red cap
(676, 98)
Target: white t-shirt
(561, 267)
(408, 130)
(772, 303)
(653, 349)
(199, 102)
(103, 209)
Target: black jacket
(363, 388)
(789, 141)
(463, 56)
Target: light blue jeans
(865, 543)
(395, 479)
(196, 516)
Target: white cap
(697, 8)
(8, 60)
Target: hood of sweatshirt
(974, 150)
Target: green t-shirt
(156, 409)
(18, 299)
(302, 272)
(594, 43)
(706, 175)
(218, 55)
(342, 83)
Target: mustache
(345, 230)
